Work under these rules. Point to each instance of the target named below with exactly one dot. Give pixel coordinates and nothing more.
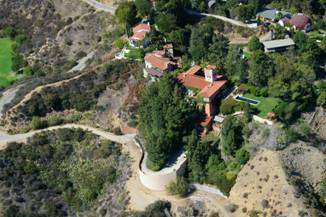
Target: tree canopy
(164, 115)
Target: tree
(180, 39)
(218, 50)
(254, 44)
(245, 12)
(166, 22)
(231, 136)
(164, 115)
(228, 106)
(321, 100)
(235, 65)
(200, 39)
(261, 68)
(143, 7)
(322, 191)
(197, 155)
(179, 187)
(126, 13)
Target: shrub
(54, 120)
(179, 187)
(253, 213)
(228, 106)
(242, 156)
(120, 43)
(38, 123)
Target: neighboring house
(271, 15)
(139, 39)
(157, 63)
(278, 45)
(301, 22)
(209, 85)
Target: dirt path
(140, 196)
(100, 6)
(38, 89)
(225, 19)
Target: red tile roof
(207, 89)
(158, 61)
(139, 31)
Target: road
(225, 19)
(100, 6)
(123, 139)
(7, 96)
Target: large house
(278, 45)
(139, 39)
(159, 62)
(206, 83)
(272, 15)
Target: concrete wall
(158, 181)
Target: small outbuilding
(278, 45)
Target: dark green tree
(261, 68)
(231, 136)
(200, 39)
(254, 44)
(218, 50)
(164, 115)
(143, 7)
(166, 22)
(126, 14)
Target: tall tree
(143, 7)
(261, 69)
(164, 114)
(231, 136)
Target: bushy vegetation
(205, 162)
(164, 119)
(156, 209)
(58, 172)
(80, 94)
(179, 187)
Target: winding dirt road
(140, 196)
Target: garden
(6, 53)
(267, 104)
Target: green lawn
(5, 61)
(267, 104)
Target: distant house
(209, 85)
(139, 39)
(271, 15)
(301, 22)
(278, 45)
(159, 62)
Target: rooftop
(271, 14)
(278, 43)
(157, 60)
(139, 31)
(192, 80)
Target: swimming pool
(250, 101)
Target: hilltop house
(278, 45)
(139, 39)
(207, 84)
(159, 62)
(271, 15)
